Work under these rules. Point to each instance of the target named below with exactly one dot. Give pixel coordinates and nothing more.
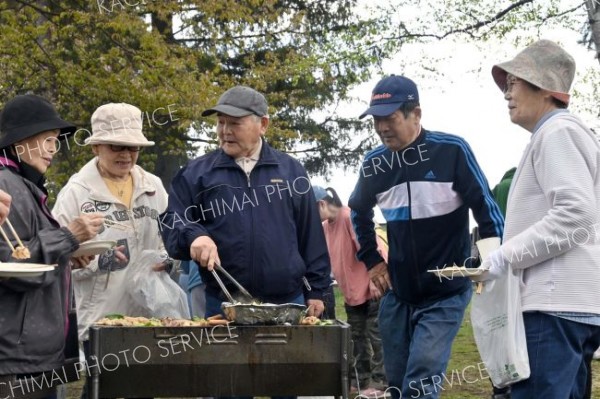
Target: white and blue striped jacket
(425, 192)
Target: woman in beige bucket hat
(115, 186)
(552, 219)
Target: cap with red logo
(389, 94)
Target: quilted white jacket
(87, 192)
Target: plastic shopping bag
(499, 330)
(155, 292)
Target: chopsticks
(12, 229)
(117, 225)
(14, 233)
(6, 239)
(20, 251)
(479, 287)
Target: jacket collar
(40, 194)
(9, 163)
(267, 157)
(89, 178)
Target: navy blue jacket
(266, 227)
(425, 192)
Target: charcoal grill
(141, 362)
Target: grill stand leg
(346, 351)
(94, 374)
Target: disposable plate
(92, 248)
(10, 269)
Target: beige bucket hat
(544, 64)
(118, 123)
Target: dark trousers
(560, 353)
(329, 302)
(368, 351)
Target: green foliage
(80, 55)
(306, 55)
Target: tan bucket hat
(544, 64)
(118, 123)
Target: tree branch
(199, 140)
(561, 14)
(467, 29)
(314, 149)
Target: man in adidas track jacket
(424, 182)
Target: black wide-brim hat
(28, 115)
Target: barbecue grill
(265, 360)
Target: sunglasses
(121, 148)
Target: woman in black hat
(34, 310)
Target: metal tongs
(243, 291)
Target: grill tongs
(243, 291)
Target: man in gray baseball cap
(240, 101)
(553, 211)
(242, 120)
(250, 208)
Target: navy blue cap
(389, 94)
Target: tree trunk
(593, 9)
(166, 165)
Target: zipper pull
(306, 284)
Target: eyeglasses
(510, 83)
(121, 148)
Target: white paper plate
(92, 248)
(452, 272)
(10, 269)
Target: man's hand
(374, 293)
(204, 251)
(119, 253)
(5, 200)
(316, 307)
(81, 261)
(164, 266)
(86, 226)
(380, 277)
(160, 267)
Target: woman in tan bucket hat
(552, 224)
(114, 186)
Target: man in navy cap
(424, 182)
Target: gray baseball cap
(544, 64)
(240, 101)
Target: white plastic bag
(499, 330)
(155, 292)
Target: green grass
(464, 362)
